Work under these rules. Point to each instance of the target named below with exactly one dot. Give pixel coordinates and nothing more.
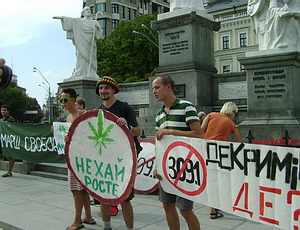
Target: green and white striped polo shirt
(180, 114)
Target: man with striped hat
(106, 88)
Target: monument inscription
(174, 44)
(269, 84)
(179, 90)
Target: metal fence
(287, 139)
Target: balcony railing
(231, 16)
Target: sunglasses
(65, 100)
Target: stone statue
(179, 4)
(258, 11)
(83, 32)
(277, 23)
(182, 7)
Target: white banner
(102, 156)
(60, 130)
(145, 182)
(257, 182)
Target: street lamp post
(49, 90)
(44, 106)
(137, 32)
(44, 87)
(143, 25)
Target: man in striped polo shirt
(179, 118)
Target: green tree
(19, 102)
(33, 105)
(128, 56)
(14, 97)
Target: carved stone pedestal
(273, 80)
(186, 53)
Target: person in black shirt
(106, 88)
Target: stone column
(273, 80)
(186, 52)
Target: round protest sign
(102, 156)
(184, 168)
(145, 182)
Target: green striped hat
(108, 81)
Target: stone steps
(57, 171)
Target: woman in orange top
(217, 126)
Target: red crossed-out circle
(155, 187)
(192, 151)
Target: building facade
(114, 11)
(236, 36)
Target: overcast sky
(29, 37)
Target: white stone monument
(179, 4)
(273, 71)
(180, 7)
(186, 51)
(83, 32)
(277, 23)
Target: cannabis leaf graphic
(101, 138)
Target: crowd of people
(185, 121)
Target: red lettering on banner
(263, 204)
(290, 194)
(242, 199)
(269, 204)
(289, 201)
(243, 190)
(296, 218)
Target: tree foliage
(128, 56)
(33, 105)
(17, 101)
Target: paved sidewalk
(37, 203)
